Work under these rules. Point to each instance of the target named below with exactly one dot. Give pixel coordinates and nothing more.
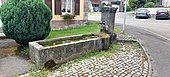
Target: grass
(22, 51)
(113, 49)
(91, 27)
(32, 73)
(117, 30)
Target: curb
(150, 73)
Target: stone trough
(64, 49)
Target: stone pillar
(108, 19)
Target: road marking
(158, 35)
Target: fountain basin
(44, 50)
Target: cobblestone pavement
(131, 62)
(123, 64)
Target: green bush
(67, 16)
(25, 20)
(134, 4)
(149, 5)
(128, 8)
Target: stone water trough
(64, 49)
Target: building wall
(2, 2)
(166, 3)
(80, 18)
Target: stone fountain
(61, 49)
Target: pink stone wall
(62, 24)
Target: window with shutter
(67, 7)
(57, 7)
(77, 7)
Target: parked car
(142, 13)
(162, 13)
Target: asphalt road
(153, 34)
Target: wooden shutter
(57, 7)
(77, 7)
(49, 3)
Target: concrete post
(108, 18)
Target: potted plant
(68, 16)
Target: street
(153, 34)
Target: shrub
(25, 20)
(67, 16)
(149, 5)
(136, 3)
(128, 8)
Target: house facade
(96, 3)
(2, 2)
(166, 3)
(77, 8)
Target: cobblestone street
(123, 64)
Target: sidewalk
(2, 35)
(10, 62)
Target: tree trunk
(121, 6)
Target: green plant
(25, 20)
(42, 73)
(136, 3)
(68, 16)
(22, 51)
(149, 5)
(91, 27)
(128, 8)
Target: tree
(140, 3)
(25, 20)
(121, 6)
(136, 3)
(149, 5)
(154, 1)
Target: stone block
(61, 53)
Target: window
(162, 10)
(67, 7)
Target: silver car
(142, 13)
